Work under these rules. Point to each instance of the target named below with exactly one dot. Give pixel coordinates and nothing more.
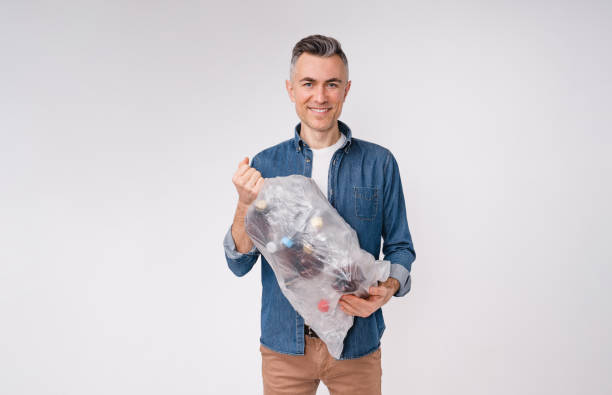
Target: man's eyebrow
(329, 80)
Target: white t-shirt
(321, 159)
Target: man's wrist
(392, 283)
(242, 207)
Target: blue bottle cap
(287, 242)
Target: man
(361, 180)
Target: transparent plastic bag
(314, 253)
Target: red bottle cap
(323, 306)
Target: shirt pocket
(366, 202)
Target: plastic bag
(314, 253)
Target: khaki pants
(301, 374)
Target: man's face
(318, 88)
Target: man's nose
(320, 95)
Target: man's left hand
(353, 305)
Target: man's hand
(353, 305)
(248, 182)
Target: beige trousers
(300, 374)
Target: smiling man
(318, 87)
(362, 181)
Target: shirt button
(331, 191)
(307, 160)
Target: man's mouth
(319, 109)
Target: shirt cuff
(230, 247)
(401, 274)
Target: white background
(122, 122)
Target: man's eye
(333, 85)
(308, 84)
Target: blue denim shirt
(364, 186)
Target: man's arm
(240, 253)
(241, 239)
(397, 248)
(397, 242)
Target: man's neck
(319, 139)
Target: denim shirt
(364, 186)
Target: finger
(243, 166)
(348, 298)
(244, 161)
(367, 306)
(242, 170)
(379, 291)
(259, 185)
(239, 177)
(246, 176)
(250, 184)
(353, 301)
(346, 308)
(356, 310)
(364, 304)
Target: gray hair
(318, 45)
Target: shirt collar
(344, 129)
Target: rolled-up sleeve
(239, 263)
(397, 242)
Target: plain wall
(122, 122)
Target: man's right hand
(248, 182)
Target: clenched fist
(248, 182)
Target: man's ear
(289, 88)
(346, 89)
